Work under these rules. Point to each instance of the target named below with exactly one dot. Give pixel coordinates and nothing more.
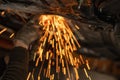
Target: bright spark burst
(57, 46)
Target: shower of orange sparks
(62, 42)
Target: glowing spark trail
(12, 35)
(3, 30)
(57, 46)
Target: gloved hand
(27, 35)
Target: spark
(2, 13)
(86, 73)
(57, 46)
(28, 77)
(12, 35)
(77, 27)
(76, 73)
(3, 30)
(87, 64)
(89, 78)
(81, 58)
